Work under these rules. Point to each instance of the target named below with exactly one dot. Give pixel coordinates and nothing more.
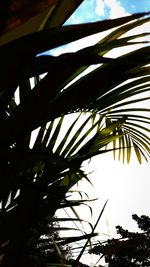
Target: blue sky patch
(134, 6)
(93, 10)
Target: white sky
(116, 9)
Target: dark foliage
(131, 249)
(35, 180)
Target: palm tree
(35, 178)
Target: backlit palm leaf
(36, 176)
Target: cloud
(114, 6)
(100, 8)
(116, 10)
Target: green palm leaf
(35, 179)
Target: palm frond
(36, 178)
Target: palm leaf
(111, 40)
(88, 239)
(43, 174)
(64, 140)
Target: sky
(92, 10)
(126, 186)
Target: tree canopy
(131, 249)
